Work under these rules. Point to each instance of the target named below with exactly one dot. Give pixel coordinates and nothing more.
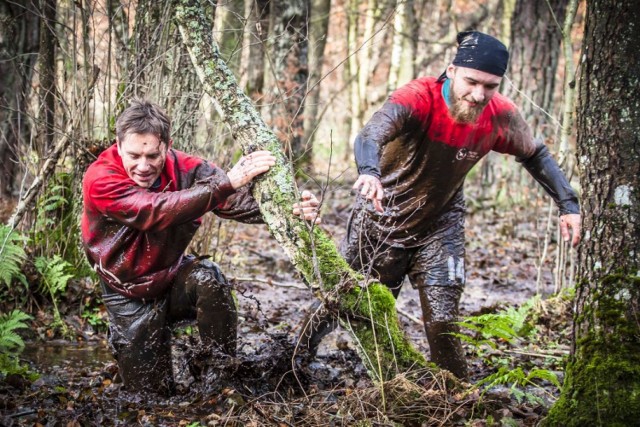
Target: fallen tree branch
(367, 310)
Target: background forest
(316, 70)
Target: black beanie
(481, 52)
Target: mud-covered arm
(240, 206)
(384, 126)
(544, 169)
(125, 202)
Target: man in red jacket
(143, 203)
(413, 156)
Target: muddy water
(64, 354)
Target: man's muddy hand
(307, 209)
(571, 223)
(371, 188)
(250, 166)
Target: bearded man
(413, 156)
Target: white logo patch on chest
(465, 154)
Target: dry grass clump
(421, 398)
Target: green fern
(12, 255)
(10, 341)
(55, 276)
(56, 200)
(57, 226)
(54, 273)
(11, 345)
(516, 379)
(507, 325)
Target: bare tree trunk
(51, 161)
(318, 29)
(19, 38)
(355, 123)
(569, 84)
(535, 47)
(602, 382)
(160, 69)
(438, 26)
(536, 51)
(253, 52)
(229, 31)
(286, 77)
(47, 75)
(367, 310)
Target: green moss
(602, 384)
(375, 323)
(331, 266)
(370, 311)
(604, 391)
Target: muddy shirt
(135, 237)
(422, 157)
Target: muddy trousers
(140, 331)
(435, 269)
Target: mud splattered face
(471, 91)
(143, 156)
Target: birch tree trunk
(367, 310)
(602, 385)
(403, 51)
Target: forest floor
(270, 383)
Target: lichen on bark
(366, 310)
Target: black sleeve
(544, 169)
(367, 156)
(384, 126)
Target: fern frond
(12, 255)
(507, 325)
(54, 202)
(544, 374)
(54, 273)
(9, 323)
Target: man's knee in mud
(205, 281)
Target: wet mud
(79, 385)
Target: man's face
(471, 91)
(143, 156)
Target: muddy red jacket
(422, 157)
(135, 238)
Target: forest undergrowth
(515, 330)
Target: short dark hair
(143, 116)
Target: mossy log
(367, 310)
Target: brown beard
(463, 115)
